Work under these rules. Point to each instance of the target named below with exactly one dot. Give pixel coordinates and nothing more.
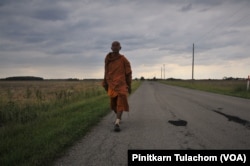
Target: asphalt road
(166, 117)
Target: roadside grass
(235, 88)
(37, 132)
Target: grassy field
(40, 119)
(236, 88)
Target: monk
(117, 81)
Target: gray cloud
(52, 14)
(77, 35)
(186, 7)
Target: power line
(217, 25)
(239, 20)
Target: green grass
(44, 135)
(235, 88)
(37, 142)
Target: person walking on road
(117, 81)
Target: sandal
(117, 128)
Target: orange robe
(117, 79)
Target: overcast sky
(70, 39)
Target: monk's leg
(113, 104)
(122, 105)
(117, 121)
(119, 115)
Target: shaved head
(116, 43)
(116, 47)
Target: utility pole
(193, 64)
(164, 70)
(161, 72)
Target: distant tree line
(232, 78)
(33, 78)
(23, 78)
